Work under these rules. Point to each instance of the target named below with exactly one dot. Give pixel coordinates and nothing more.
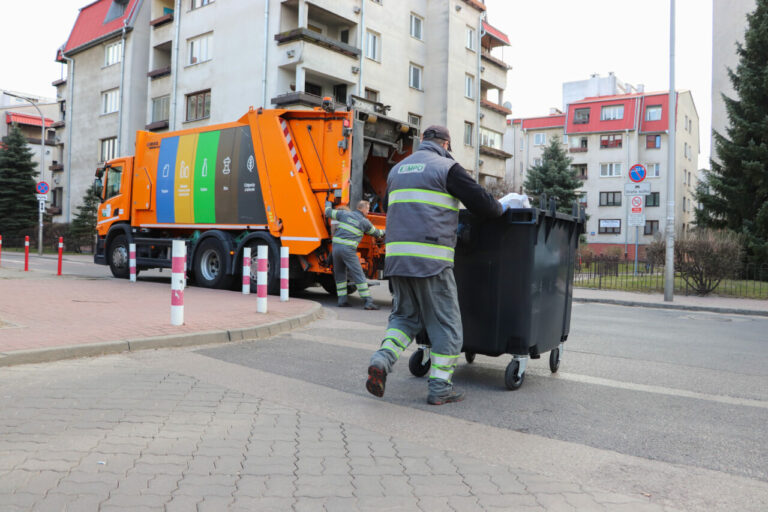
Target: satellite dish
(507, 105)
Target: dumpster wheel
(417, 365)
(470, 357)
(511, 377)
(554, 359)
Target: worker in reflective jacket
(423, 194)
(350, 227)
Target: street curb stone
(732, 311)
(46, 355)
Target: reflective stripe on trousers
(362, 290)
(442, 366)
(341, 288)
(396, 341)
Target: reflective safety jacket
(350, 227)
(422, 216)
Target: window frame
(607, 110)
(197, 4)
(417, 117)
(107, 149)
(653, 141)
(372, 39)
(489, 138)
(578, 115)
(416, 18)
(371, 92)
(651, 224)
(655, 200)
(110, 99)
(206, 103)
(469, 133)
(469, 86)
(611, 141)
(193, 42)
(606, 230)
(653, 108)
(613, 195)
(167, 108)
(415, 67)
(613, 167)
(109, 51)
(471, 40)
(656, 167)
(542, 136)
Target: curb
(732, 311)
(47, 355)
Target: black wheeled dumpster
(514, 277)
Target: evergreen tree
(18, 204)
(737, 196)
(553, 177)
(84, 224)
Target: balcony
(304, 99)
(53, 210)
(494, 152)
(156, 125)
(495, 107)
(60, 81)
(162, 20)
(486, 56)
(304, 34)
(57, 124)
(578, 150)
(159, 72)
(56, 167)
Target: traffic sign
(637, 204)
(637, 189)
(41, 206)
(42, 187)
(41, 197)
(636, 219)
(637, 173)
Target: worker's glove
(328, 205)
(504, 207)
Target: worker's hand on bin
(504, 207)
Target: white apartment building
(173, 64)
(605, 136)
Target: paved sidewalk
(45, 317)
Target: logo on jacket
(411, 168)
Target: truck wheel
(118, 257)
(273, 264)
(210, 264)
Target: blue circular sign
(42, 187)
(637, 173)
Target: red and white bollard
(132, 262)
(178, 269)
(283, 274)
(26, 253)
(61, 252)
(246, 270)
(261, 280)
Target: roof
(498, 34)
(30, 120)
(556, 121)
(99, 20)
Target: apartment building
(605, 136)
(172, 64)
(21, 113)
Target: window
(609, 226)
(200, 3)
(654, 170)
(490, 138)
(199, 105)
(610, 169)
(58, 197)
(581, 116)
(689, 179)
(582, 198)
(584, 143)
(610, 198)
(653, 113)
(539, 139)
(652, 199)
(610, 141)
(371, 95)
(160, 108)
(414, 120)
(112, 188)
(471, 38)
(417, 23)
(685, 149)
(113, 53)
(373, 45)
(109, 101)
(469, 86)
(200, 49)
(611, 112)
(580, 171)
(344, 35)
(311, 88)
(414, 79)
(651, 227)
(652, 141)
(684, 208)
(537, 162)
(107, 149)
(468, 131)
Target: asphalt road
(662, 385)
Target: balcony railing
(56, 167)
(578, 150)
(162, 20)
(157, 73)
(495, 107)
(304, 34)
(493, 60)
(57, 124)
(60, 81)
(487, 150)
(297, 98)
(157, 125)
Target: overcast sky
(552, 41)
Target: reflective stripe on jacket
(350, 226)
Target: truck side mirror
(98, 185)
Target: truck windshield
(113, 181)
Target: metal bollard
(61, 252)
(284, 256)
(178, 269)
(132, 262)
(246, 270)
(261, 280)
(26, 253)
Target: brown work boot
(455, 395)
(377, 380)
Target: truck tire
(273, 264)
(118, 257)
(211, 264)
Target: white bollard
(261, 280)
(246, 270)
(284, 255)
(178, 269)
(132, 261)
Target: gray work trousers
(430, 303)
(346, 265)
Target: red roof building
(26, 119)
(100, 20)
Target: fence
(619, 274)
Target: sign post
(42, 196)
(636, 215)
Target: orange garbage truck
(261, 180)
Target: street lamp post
(42, 166)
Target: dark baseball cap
(436, 131)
